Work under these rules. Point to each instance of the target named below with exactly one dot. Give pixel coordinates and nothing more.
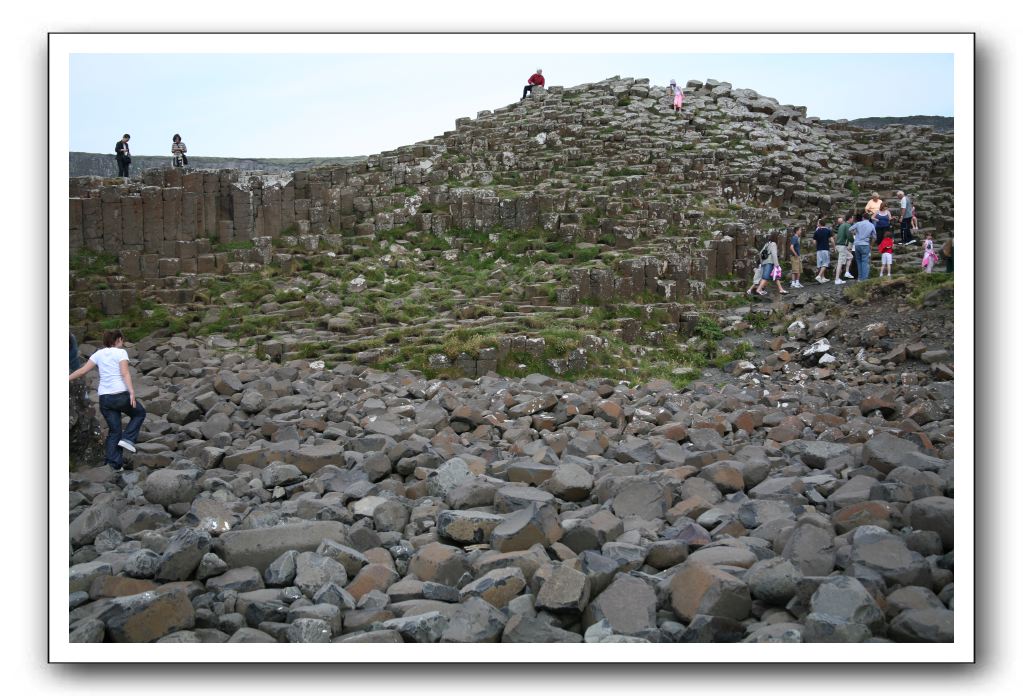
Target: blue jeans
(74, 363)
(113, 406)
(861, 252)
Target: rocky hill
(507, 385)
(943, 124)
(103, 165)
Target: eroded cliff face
(86, 448)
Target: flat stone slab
(259, 547)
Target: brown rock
(566, 589)
(439, 563)
(610, 412)
(528, 561)
(691, 507)
(873, 512)
(372, 577)
(521, 529)
(145, 617)
(702, 589)
(118, 586)
(783, 433)
(727, 478)
(498, 587)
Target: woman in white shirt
(116, 396)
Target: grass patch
(469, 341)
(708, 328)
(913, 287)
(90, 263)
(144, 319)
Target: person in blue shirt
(864, 235)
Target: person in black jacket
(123, 155)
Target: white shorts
(844, 255)
(886, 259)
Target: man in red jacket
(535, 80)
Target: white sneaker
(839, 281)
(848, 274)
(126, 445)
(821, 280)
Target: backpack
(764, 254)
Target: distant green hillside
(97, 164)
(945, 124)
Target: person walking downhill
(886, 247)
(675, 92)
(930, 256)
(178, 150)
(863, 237)
(906, 218)
(822, 235)
(116, 397)
(535, 80)
(770, 268)
(843, 243)
(795, 262)
(123, 155)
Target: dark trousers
(122, 167)
(528, 89)
(906, 227)
(113, 406)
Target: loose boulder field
(293, 503)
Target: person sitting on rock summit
(535, 80)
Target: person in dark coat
(123, 155)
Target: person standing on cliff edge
(123, 155)
(535, 80)
(178, 150)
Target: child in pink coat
(930, 256)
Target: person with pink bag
(771, 269)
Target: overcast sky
(227, 98)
